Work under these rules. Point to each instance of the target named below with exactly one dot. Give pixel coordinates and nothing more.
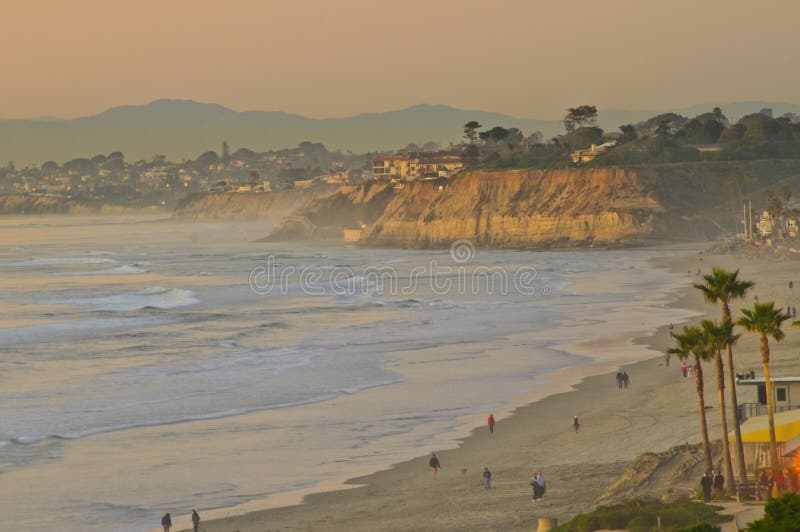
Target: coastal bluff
(247, 205)
(534, 208)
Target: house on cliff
(417, 165)
(587, 156)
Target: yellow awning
(756, 429)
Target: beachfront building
(587, 156)
(753, 401)
(417, 165)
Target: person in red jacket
(491, 423)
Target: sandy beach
(657, 412)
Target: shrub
(780, 515)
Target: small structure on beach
(755, 437)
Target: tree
(50, 167)
(718, 337)
(208, 158)
(470, 131)
(225, 151)
(581, 116)
(765, 320)
(691, 345)
(431, 145)
(721, 286)
(664, 129)
(628, 133)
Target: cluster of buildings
(159, 181)
(411, 166)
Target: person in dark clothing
(625, 379)
(706, 483)
(487, 478)
(619, 380)
(719, 481)
(195, 520)
(166, 522)
(435, 465)
(490, 422)
(537, 481)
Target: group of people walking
(537, 479)
(623, 380)
(711, 480)
(166, 521)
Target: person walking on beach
(487, 478)
(196, 520)
(706, 482)
(435, 465)
(537, 481)
(490, 422)
(619, 380)
(719, 481)
(684, 369)
(625, 379)
(576, 424)
(166, 522)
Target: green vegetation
(665, 138)
(780, 515)
(639, 515)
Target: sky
(328, 58)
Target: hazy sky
(339, 57)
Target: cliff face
(34, 204)
(328, 216)
(539, 208)
(248, 205)
(520, 208)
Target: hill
(182, 129)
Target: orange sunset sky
(327, 58)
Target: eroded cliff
(248, 205)
(541, 208)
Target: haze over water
(140, 373)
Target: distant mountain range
(182, 129)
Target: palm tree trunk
(773, 444)
(741, 466)
(698, 381)
(726, 447)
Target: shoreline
(627, 348)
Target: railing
(748, 410)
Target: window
(780, 395)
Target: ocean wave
(57, 261)
(155, 297)
(125, 269)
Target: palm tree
(722, 286)
(717, 337)
(691, 345)
(766, 320)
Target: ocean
(149, 366)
